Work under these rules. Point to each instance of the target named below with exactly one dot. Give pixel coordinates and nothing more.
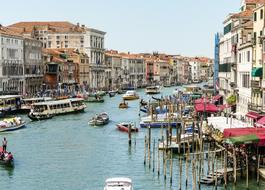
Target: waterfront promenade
(66, 153)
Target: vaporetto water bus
(27, 102)
(46, 110)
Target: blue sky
(184, 27)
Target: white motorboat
(130, 95)
(118, 183)
(152, 90)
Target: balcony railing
(255, 84)
(254, 107)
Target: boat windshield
(118, 184)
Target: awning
(244, 139)
(261, 122)
(256, 72)
(237, 132)
(210, 108)
(216, 98)
(253, 115)
(201, 100)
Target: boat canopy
(261, 122)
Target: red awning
(235, 132)
(261, 121)
(253, 115)
(201, 101)
(210, 108)
(217, 97)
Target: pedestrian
(4, 142)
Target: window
(245, 80)
(255, 38)
(239, 58)
(260, 33)
(255, 16)
(261, 14)
(248, 56)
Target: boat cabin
(10, 103)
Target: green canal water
(65, 153)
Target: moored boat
(46, 110)
(97, 99)
(11, 124)
(152, 90)
(130, 95)
(98, 120)
(112, 93)
(118, 183)
(124, 126)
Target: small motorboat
(112, 93)
(123, 105)
(99, 120)
(124, 126)
(11, 124)
(130, 95)
(118, 183)
(152, 90)
(96, 99)
(6, 158)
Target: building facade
(11, 62)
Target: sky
(185, 27)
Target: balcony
(254, 107)
(255, 84)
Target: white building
(195, 70)
(11, 62)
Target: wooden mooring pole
(258, 169)
(145, 150)
(130, 135)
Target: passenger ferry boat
(27, 102)
(152, 90)
(46, 110)
(130, 95)
(118, 183)
(9, 103)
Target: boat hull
(22, 125)
(130, 97)
(126, 129)
(49, 116)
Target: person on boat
(4, 142)
(2, 155)
(9, 156)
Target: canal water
(65, 153)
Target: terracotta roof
(254, 1)
(246, 13)
(6, 31)
(60, 26)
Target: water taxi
(99, 120)
(46, 110)
(124, 126)
(118, 183)
(152, 90)
(130, 95)
(27, 102)
(11, 124)
(9, 103)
